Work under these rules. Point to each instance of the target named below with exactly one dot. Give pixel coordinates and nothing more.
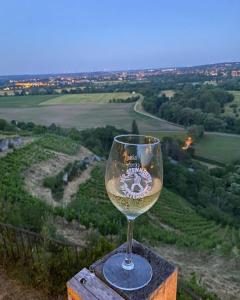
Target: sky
(58, 36)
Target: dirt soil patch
(35, 175)
(218, 274)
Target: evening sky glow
(75, 36)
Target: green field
(221, 148)
(87, 98)
(232, 109)
(36, 100)
(24, 101)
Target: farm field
(232, 109)
(87, 98)
(35, 100)
(85, 115)
(24, 101)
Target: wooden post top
(87, 285)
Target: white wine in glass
(133, 179)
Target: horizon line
(119, 70)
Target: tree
(135, 127)
(196, 132)
(3, 124)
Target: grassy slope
(87, 98)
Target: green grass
(24, 101)
(229, 111)
(224, 149)
(87, 98)
(59, 144)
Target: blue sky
(51, 36)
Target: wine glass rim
(156, 140)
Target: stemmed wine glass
(133, 179)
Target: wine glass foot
(124, 279)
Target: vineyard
(59, 143)
(172, 220)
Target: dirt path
(34, 176)
(219, 275)
(12, 290)
(73, 185)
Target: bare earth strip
(218, 274)
(34, 176)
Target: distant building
(235, 73)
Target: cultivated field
(232, 109)
(35, 100)
(85, 115)
(87, 98)
(24, 101)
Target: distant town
(25, 84)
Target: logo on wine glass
(136, 183)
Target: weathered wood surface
(163, 285)
(85, 285)
(91, 285)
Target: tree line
(194, 105)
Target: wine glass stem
(128, 263)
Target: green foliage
(127, 100)
(92, 207)
(196, 132)
(135, 127)
(190, 289)
(100, 140)
(3, 124)
(47, 264)
(56, 183)
(19, 207)
(60, 144)
(193, 105)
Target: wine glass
(133, 179)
